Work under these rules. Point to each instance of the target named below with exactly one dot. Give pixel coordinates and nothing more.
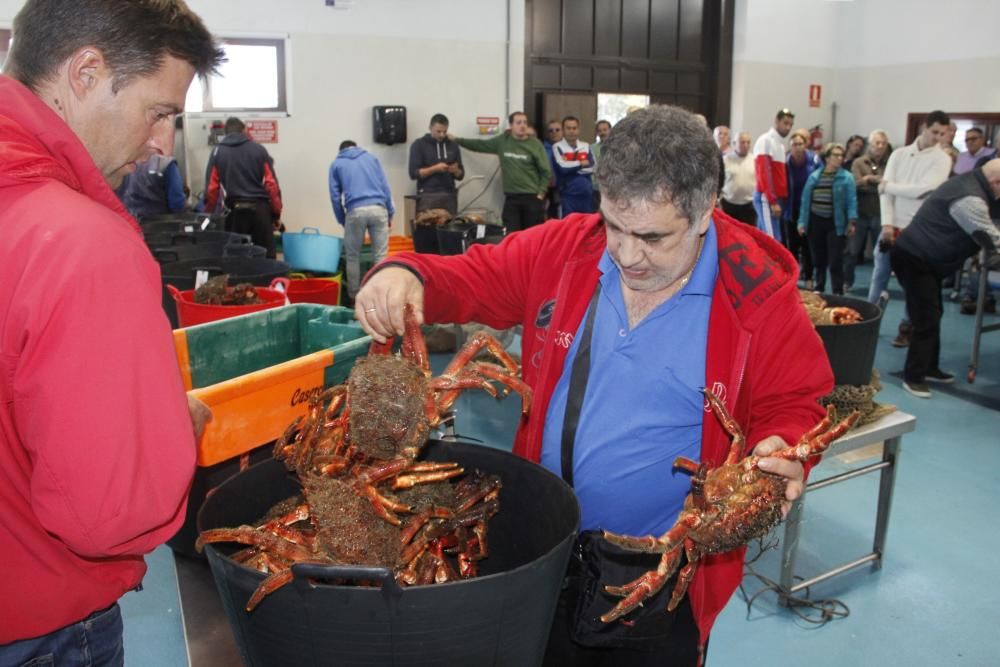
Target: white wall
(877, 61)
(431, 56)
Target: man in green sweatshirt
(525, 170)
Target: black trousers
(742, 212)
(654, 637)
(253, 217)
(922, 288)
(521, 211)
(799, 247)
(827, 252)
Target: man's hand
(791, 470)
(455, 169)
(776, 210)
(584, 161)
(441, 167)
(201, 414)
(851, 227)
(379, 303)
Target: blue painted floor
(932, 603)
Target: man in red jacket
(680, 297)
(96, 441)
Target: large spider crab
(355, 455)
(820, 313)
(728, 506)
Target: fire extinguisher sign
(815, 94)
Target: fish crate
(257, 372)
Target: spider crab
(389, 406)
(820, 313)
(355, 454)
(728, 506)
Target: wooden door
(556, 106)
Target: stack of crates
(258, 372)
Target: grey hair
(661, 154)
(877, 133)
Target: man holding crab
(627, 315)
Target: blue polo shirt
(643, 406)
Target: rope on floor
(817, 612)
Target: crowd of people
(840, 201)
(91, 91)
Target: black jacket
(240, 164)
(935, 237)
(427, 151)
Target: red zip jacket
(764, 358)
(769, 166)
(96, 445)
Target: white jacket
(910, 175)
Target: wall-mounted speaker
(389, 124)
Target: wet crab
(728, 506)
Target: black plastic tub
(851, 347)
(179, 237)
(182, 224)
(456, 237)
(425, 239)
(254, 270)
(215, 249)
(501, 617)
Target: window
(251, 79)
(612, 107)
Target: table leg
(788, 548)
(887, 480)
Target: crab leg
(645, 586)
(414, 525)
(817, 444)
(251, 536)
(409, 481)
(730, 425)
(673, 538)
(414, 347)
(515, 383)
(685, 576)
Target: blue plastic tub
(311, 251)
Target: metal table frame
(888, 430)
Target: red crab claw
(634, 592)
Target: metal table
(889, 431)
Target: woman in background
(799, 164)
(828, 215)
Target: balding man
(948, 228)
(722, 138)
(737, 191)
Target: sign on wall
(263, 131)
(488, 124)
(815, 94)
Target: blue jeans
(375, 221)
(868, 226)
(765, 223)
(880, 274)
(96, 641)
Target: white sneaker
(917, 389)
(883, 300)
